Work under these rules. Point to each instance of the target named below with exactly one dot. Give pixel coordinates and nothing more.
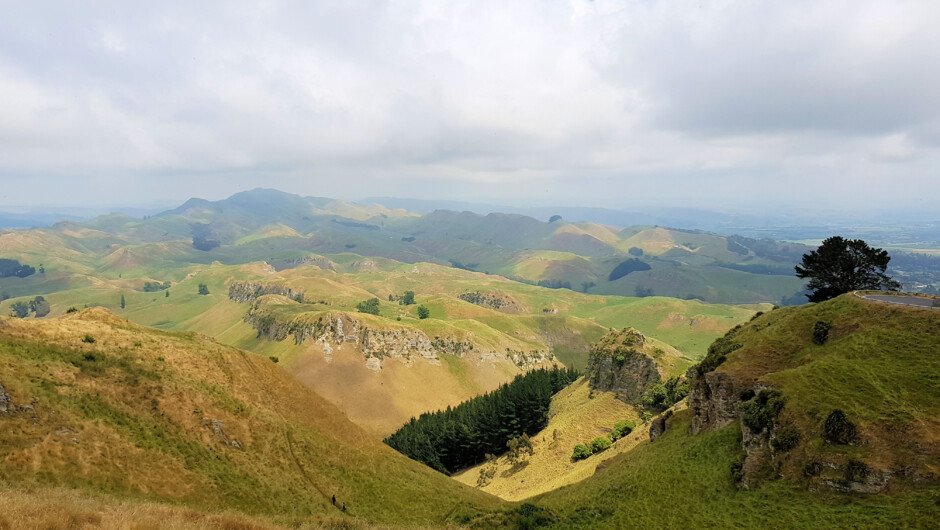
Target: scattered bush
(812, 469)
(423, 312)
(370, 306)
(40, 306)
(599, 444)
(529, 516)
(487, 471)
(663, 395)
(273, 359)
(717, 353)
(761, 412)
(88, 339)
(621, 429)
(19, 309)
(520, 448)
(786, 438)
(203, 289)
(838, 430)
(737, 467)
(821, 332)
(408, 298)
(855, 470)
(152, 287)
(581, 451)
(90, 357)
(554, 284)
(72, 309)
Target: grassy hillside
(683, 481)
(267, 225)
(556, 321)
(102, 405)
(878, 366)
(575, 418)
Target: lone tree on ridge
(842, 265)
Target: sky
(722, 105)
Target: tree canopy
(462, 436)
(11, 268)
(370, 306)
(842, 265)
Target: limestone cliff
(333, 329)
(242, 291)
(618, 363)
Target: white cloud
(596, 102)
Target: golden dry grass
(575, 418)
(131, 414)
(56, 508)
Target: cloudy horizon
(723, 105)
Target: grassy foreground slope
(94, 403)
(880, 365)
(684, 481)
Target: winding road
(900, 299)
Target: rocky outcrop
(336, 328)
(217, 427)
(318, 261)
(618, 364)
(530, 359)
(366, 265)
(497, 301)
(332, 330)
(242, 291)
(5, 402)
(657, 427)
(714, 399)
(451, 346)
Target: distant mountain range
(544, 246)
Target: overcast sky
(725, 105)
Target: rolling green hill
(755, 445)
(271, 225)
(477, 344)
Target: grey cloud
(573, 100)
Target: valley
(243, 360)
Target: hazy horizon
(731, 106)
